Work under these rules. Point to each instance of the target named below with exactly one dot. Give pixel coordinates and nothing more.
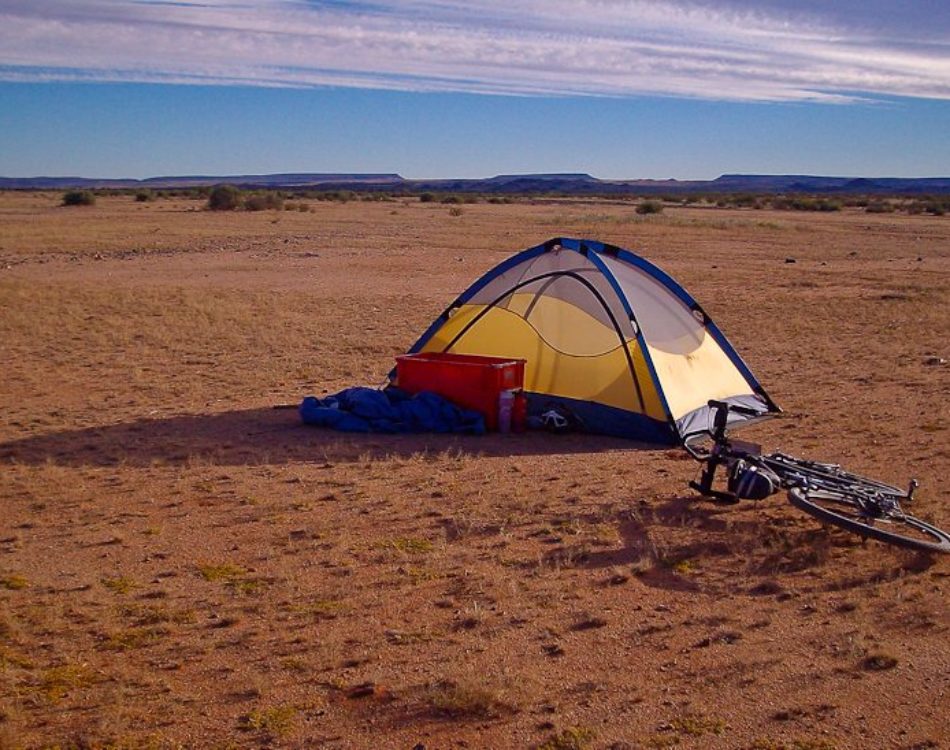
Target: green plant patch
(119, 585)
(276, 720)
(14, 582)
(222, 572)
(412, 546)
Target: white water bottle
(506, 402)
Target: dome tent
(607, 336)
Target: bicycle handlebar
(721, 411)
(723, 406)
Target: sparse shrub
(144, 196)
(805, 203)
(747, 200)
(456, 211)
(934, 206)
(650, 207)
(427, 198)
(343, 196)
(79, 198)
(224, 198)
(781, 203)
(880, 207)
(264, 201)
(453, 199)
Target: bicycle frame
(825, 491)
(723, 452)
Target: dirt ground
(183, 565)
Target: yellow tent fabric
(580, 358)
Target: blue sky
(440, 88)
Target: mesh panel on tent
(561, 275)
(690, 365)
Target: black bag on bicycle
(751, 482)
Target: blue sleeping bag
(391, 411)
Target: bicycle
(826, 491)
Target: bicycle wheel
(843, 508)
(826, 476)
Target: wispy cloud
(729, 49)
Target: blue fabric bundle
(389, 411)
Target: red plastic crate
(468, 380)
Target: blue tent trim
(609, 420)
(641, 341)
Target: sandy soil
(183, 565)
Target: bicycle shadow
(689, 544)
(251, 437)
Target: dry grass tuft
(572, 738)
(220, 572)
(56, 682)
(276, 721)
(696, 725)
(768, 743)
(14, 582)
(410, 546)
(120, 585)
(133, 638)
(467, 700)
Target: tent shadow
(253, 437)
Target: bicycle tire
(816, 503)
(827, 476)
